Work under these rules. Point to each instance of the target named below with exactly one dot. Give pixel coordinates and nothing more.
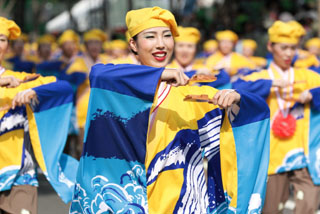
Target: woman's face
(283, 54)
(154, 46)
(94, 48)
(184, 53)
(226, 46)
(247, 52)
(3, 46)
(314, 50)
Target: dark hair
(135, 39)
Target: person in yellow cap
(185, 56)
(293, 98)
(185, 49)
(43, 50)
(248, 48)
(303, 58)
(22, 97)
(125, 56)
(313, 46)
(18, 58)
(69, 44)
(210, 47)
(225, 57)
(79, 69)
(119, 49)
(142, 151)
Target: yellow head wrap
(9, 28)
(188, 34)
(226, 35)
(68, 35)
(249, 43)
(313, 42)
(95, 34)
(299, 28)
(145, 18)
(281, 32)
(118, 44)
(106, 45)
(210, 44)
(46, 39)
(128, 37)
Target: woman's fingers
(225, 98)
(174, 77)
(23, 97)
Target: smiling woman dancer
(143, 142)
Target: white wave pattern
(210, 137)
(11, 172)
(63, 179)
(195, 198)
(255, 204)
(11, 122)
(109, 197)
(174, 157)
(293, 158)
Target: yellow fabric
(209, 44)
(128, 37)
(249, 43)
(118, 44)
(68, 35)
(259, 62)
(46, 39)
(95, 34)
(9, 28)
(281, 32)
(313, 42)
(226, 35)
(188, 34)
(280, 148)
(299, 28)
(13, 141)
(306, 60)
(228, 157)
(235, 62)
(145, 18)
(106, 45)
(125, 60)
(181, 115)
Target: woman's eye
(149, 37)
(167, 35)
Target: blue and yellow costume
(143, 143)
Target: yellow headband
(249, 43)
(226, 35)
(95, 34)
(145, 18)
(314, 42)
(188, 34)
(68, 35)
(210, 44)
(46, 39)
(118, 44)
(281, 32)
(9, 28)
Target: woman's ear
(133, 45)
(270, 47)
